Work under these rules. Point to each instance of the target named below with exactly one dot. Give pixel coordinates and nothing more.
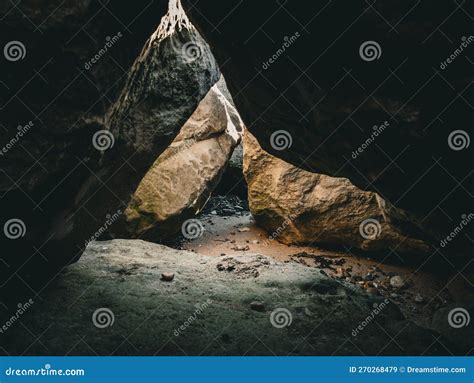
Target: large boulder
(327, 72)
(299, 207)
(182, 179)
(115, 301)
(99, 120)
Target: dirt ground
(418, 288)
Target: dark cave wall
(54, 178)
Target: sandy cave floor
(229, 229)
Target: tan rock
(299, 207)
(181, 180)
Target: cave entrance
(214, 191)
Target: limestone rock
(299, 207)
(181, 180)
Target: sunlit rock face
(327, 73)
(182, 179)
(300, 207)
(105, 102)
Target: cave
(229, 178)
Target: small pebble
(167, 277)
(419, 298)
(241, 248)
(369, 277)
(397, 282)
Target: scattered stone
(241, 248)
(167, 277)
(419, 298)
(244, 230)
(369, 277)
(257, 306)
(397, 282)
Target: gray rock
(65, 189)
(153, 318)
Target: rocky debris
(227, 205)
(182, 179)
(167, 276)
(375, 281)
(323, 103)
(244, 267)
(241, 248)
(299, 207)
(98, 126)
(67, 308)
